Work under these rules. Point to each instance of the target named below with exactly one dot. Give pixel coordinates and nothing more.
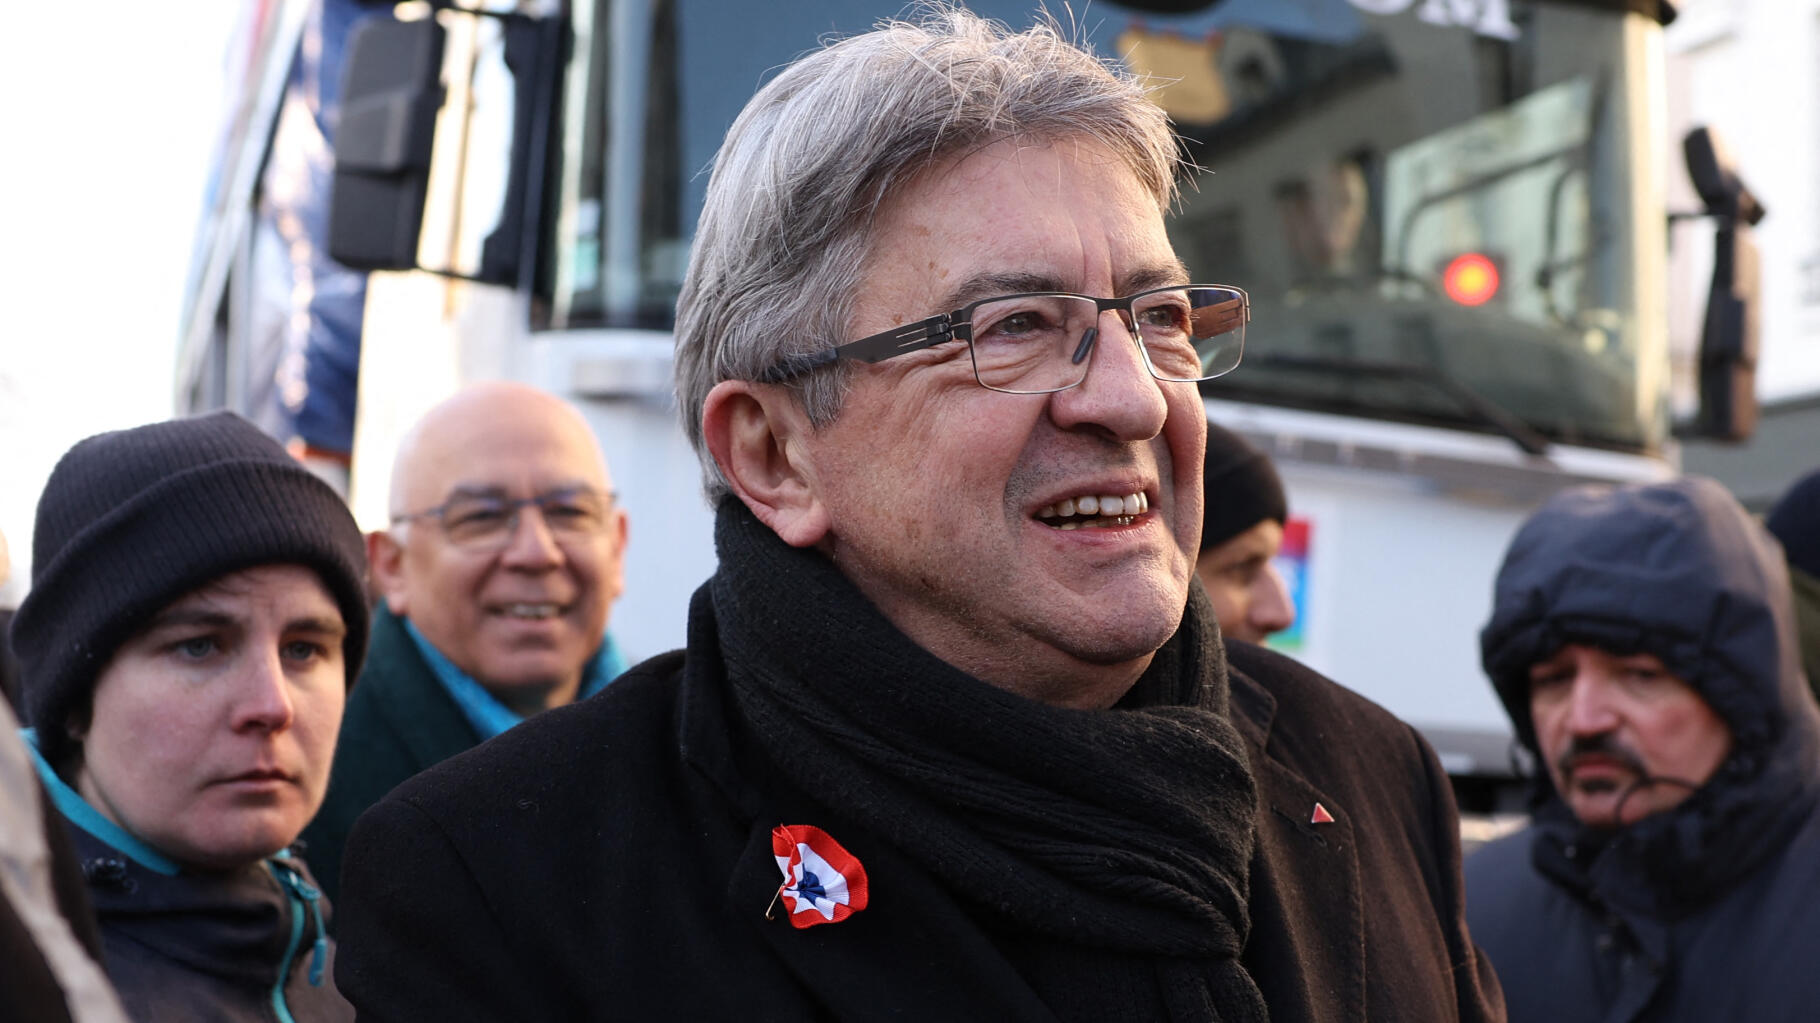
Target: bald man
(498, 573)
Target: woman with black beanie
(196, 613)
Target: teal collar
(484, 712)
(77, 810)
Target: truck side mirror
(390, 93)
(1728, 337)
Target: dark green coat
(399, 721)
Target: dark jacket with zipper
(1706, 911)
(180, 945)
(612, 860)
(245, 945)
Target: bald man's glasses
(486, 521)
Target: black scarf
(1128, 831)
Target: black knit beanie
(132, 520)
(1242, 487)
(1796, 522)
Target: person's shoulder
(598, 781)
(1501, 858)
(1504, 889)
(395, 693)
(630, 722)
(392, 661)
(1291, 697)
(1505, 894)
(398, 721)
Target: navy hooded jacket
(1706, 911)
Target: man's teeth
(531, 610)
(1095, 507)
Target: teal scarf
(482, 709)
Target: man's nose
(530, 544)
(1118, 394)
(1272, 610)
(1589, 709)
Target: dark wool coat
(1707, 911)
(399, 721)
(612, 860)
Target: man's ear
(385, 557)
(757, 434)
(613, 572)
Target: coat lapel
(1306, 891)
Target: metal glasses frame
(958, 326)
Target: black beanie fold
(1242, 488)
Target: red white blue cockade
(823, 882)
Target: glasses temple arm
(912, 337)
(792, 366)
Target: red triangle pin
(1320, 815)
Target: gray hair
(785, 229)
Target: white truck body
(1406, 515)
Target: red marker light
(1471, 279)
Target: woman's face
(212, 730)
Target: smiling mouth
(529, 612)
(1094, 511)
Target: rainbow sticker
(1291, 563)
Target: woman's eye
(196, 647)
(303, 650)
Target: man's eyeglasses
(487, 522)
(1040, 342)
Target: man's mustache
(1602, 745)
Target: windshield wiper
(1481, 408)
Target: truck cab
(1449, 215)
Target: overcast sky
(110, 114)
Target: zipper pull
(319, 955)
(312, 898)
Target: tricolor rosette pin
(823, 883)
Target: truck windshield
(1396, 182)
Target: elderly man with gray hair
(954, 736)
